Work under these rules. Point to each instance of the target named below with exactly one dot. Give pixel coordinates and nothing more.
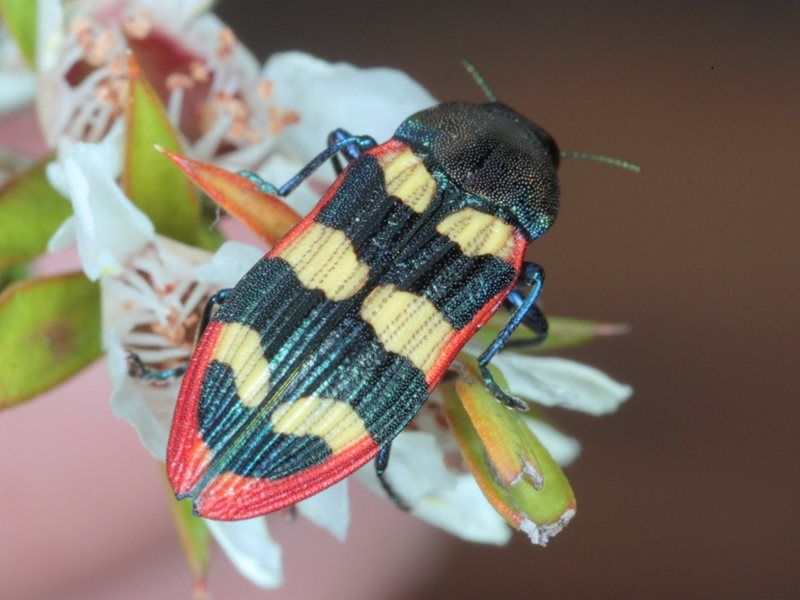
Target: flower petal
(561, 382)
(437, 495)
(146, 407)
(16, 90)
(329, 95)
(416, 468)
(329, 509)
(229, 264)
(63, 237)
(109, 228)
(463, 511)
(251, 549)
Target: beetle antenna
(608, 160)
(487, 91)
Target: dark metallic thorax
(503, 163)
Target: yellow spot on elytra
(336, 422)
(478, 233)
(408, 179)
(239, 347)
(323, 258)
(407, 324)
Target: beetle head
(500, 160)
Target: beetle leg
(534, 320)
(381, 462)
(362, 142)
(215, 301)
(532, 275)
(351, 152)
(137, 368)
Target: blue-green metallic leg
(531, 275)
(351, 152)
(381, 462)
(137, 368)
(534, 320)
(346, 144)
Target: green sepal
(50, 331)
(209, 237)
(563, 332)
(31, 211)
(20, 19)
(195, 540)
(152, 183)
(513, 469)
(12, 274)
(266, 215)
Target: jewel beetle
(325, 350)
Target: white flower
(153, 291)
(211, 84)
(437, 493)
(559, 382)
(107, 226)
(327, 96)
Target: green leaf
(30, 212)
(154, 185)
(20, 18)
(195, 542)
(264, 214)
(50, 330)
(513, 469)
(563, 333)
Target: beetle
(325, 350)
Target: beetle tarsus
(381, 463)
(263, 185)
(498, 392)
(137, 369)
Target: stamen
(226, 43)
(100, 122)
(136, 26)
(179, 81)
(100, 51)
(80, 25)
(199, 71)
(144, 338)
(265, 89)
(158, 356)
(208, 143)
